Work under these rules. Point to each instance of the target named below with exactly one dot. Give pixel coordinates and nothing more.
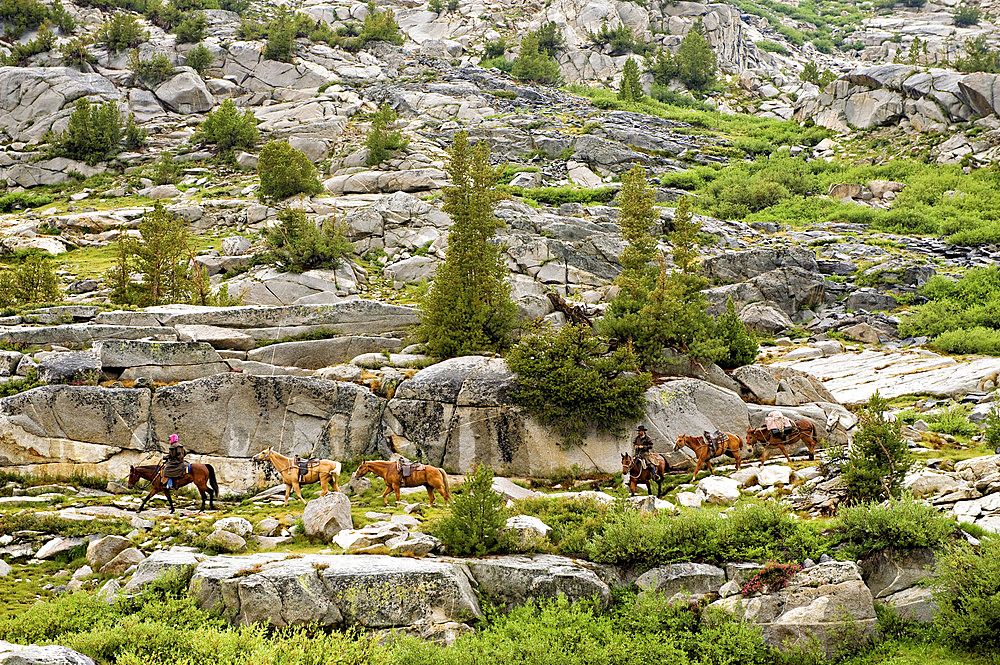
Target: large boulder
(516, 580)
(123, 561)
(741, 266)
(76, 368)
(895, 577)
(185, 93)
(120, 354)
(692, 578)
(328, 515)
(316, 354)
(372, 591)
(51, 654)
(159, 563)
(100, 552)
(811, 609)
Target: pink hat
(173, 438)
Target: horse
(325, 471)
(640, 474)
(704, 451)
(202, 475)
(805, 431)
(430, 477)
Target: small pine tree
(380, 27)
(285, 171)
(229, 129)
(993, 425)
(382, 140)
(135, 137)
(879, 457)
(93, 132)
(630, 90)
(534, 64)
(199, 59)
(298, 244)
(696, 62)
(477, 517)
(663, 67)
(636, 219)
(161, 257)
(550, 39)
(468, 309)
(280, 40)
(192, 29)
(741, 344)
(34, 281)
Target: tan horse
(704, 451)
(325, 471)
(805, 431)
(430, 477)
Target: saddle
(305, 464)
(783, 433)
(715, 439)
(406, 469)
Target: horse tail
(447, 488)
(211, 480)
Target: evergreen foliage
(535, 64)
(151, 72)
(468, 309)
(298, 244)
(32, 281)
(280, 39)
(75, 52)
(121, 32)
(92, 134)
(199, 59)
(696, 62)
(161, 259)
(967, 591)
(630, 90)
(191, 29)
(135, 137)
(620, 39)
(382, 139)
(285, 171)
(879, 456)
(229, 130)
(550, 39)
(570, 381)
(663, 67)
(477, 517)
(811, 74)
(380, 26)
(979, 57)
(740, 344)
(967, 15)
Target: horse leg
(785, 451)
(649, 485)
(298, 491)
(169, 500)
(430, 494)
(388, 488)
(322, 483)
(288, 490)
(148, 497)
(201, 491)
(398, 487)
(697, 468)
(333, 477)
(763, 456)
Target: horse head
(133, 477)
(626, 462)
(362, 469)
(685, 441)
(262, 455)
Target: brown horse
(640, 474)
(430, 477)
(704, 451)
(325, 471)
(202, 475)
(805, 431)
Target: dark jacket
(173, 464)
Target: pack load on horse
(400, 473)
(173, 473)
(711, 445)
(296, 472)
(780, 432)
(645, 466)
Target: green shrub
(436, 6)
(75, 52)
(121, 32)
(879, 456)
(979, 57)
(382, 140)
(556, 196)
(380, 27)
(161, 259)
(280, 39)
(620, 39)
(903, 523)
(679, 99)
(954, 420)
(229, 130)
(151, 72)
(973, 340)
(772, 47)
(992, 424)
(630, 89)
(166, 171)
(574, 522)
(473, 528)
(199, 59)
(32, 281)
(17, 385)
(570, 381)
(812, 74)
(967, 15)
(299, 244)
(192, 29)
(93, 132)
(135, 137)
(22, 200)
(968, 596)
(535, 64)
(285, 171)
(741, 344)
(21, 53)
(495, 49)
(696, 62)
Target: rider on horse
(174, 466)
(643, 447)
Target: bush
(495, 49)
(192, 29)
(879, 456)
(20, 53)
(166, 171)
(280, 40)
(473, 528)
(534, 64)
(620, 39)
(380, 27)
(954, 420)
(14, 386)
(285, 171)
(967, 15)
(21, 15)
(75, 52)
(570, 381)
(696, 62)
(135, 137)
(229, 130)
(93, 132)
(436, 6)
(772, 47)
(812, 74)
(903, 523)
(978, 340)
(550, 39)
(741, 344)
(992, 424)
(771, 578)
(161, 258)
(33, 281)
(556, 196)
(121, 32)
(574, 522)
(380, 141)
(630, 89)
(968, 596)
(199, 59)
(298, 244)
(153, 71)
(22, 200)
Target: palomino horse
(430, 477)
(805, 431)
(705, 451)
(325, 471)
(640, 474)
(202, 475)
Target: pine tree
(741, 344)
(534, 64)
(380, 141)
(630, 90)
(34, 281)
(696, 62)
(468, 309)
(477, 517)
(161, 257)
(879, 457)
